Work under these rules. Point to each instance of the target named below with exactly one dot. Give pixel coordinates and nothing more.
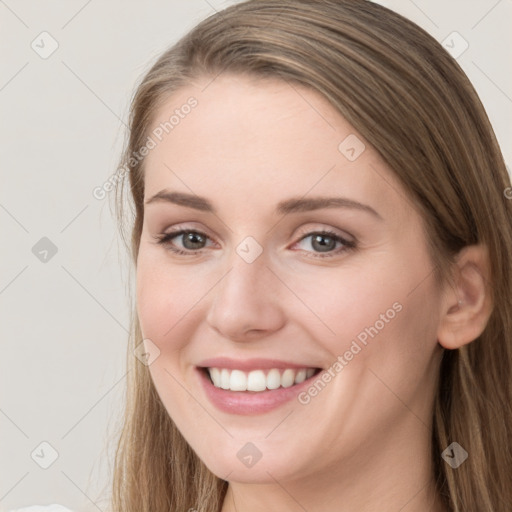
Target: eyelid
(177, 229)
(305, 231)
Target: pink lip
(249, 364)
(248, 402)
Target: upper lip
(250, 364)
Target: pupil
(193, 238)
(323, 247)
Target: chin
(247, 464)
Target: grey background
(64, 321)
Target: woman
(321, 237)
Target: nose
(245, 304)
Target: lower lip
(249, 402)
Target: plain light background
(64, 321)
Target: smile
(258, 380)
(255, 386)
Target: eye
(322, 242)
(192, 240)
(325, 242)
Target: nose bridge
(246, 298)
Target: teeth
(273, 379)
(215, 375)
(238, 381)
(258, 380)
(224, 379)
(287, 378)
(300, 377)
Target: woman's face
(254, 172)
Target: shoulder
(42, 508)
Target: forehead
(251, 143)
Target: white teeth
(273, 379)
(257, 380)
(300, 376)
(215, 375)
(238, 381)
(287, 378)
(224, 379)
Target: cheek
(382, 347)
(387, 308)
(337, 304)
(165, 297)
(165, 308)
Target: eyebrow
(292, 205)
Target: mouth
(258, 380)
(253, 386)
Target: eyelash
(164, 238)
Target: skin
(363, 442)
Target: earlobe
(467, 303)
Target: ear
(467, 302)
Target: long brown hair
(403, 92)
